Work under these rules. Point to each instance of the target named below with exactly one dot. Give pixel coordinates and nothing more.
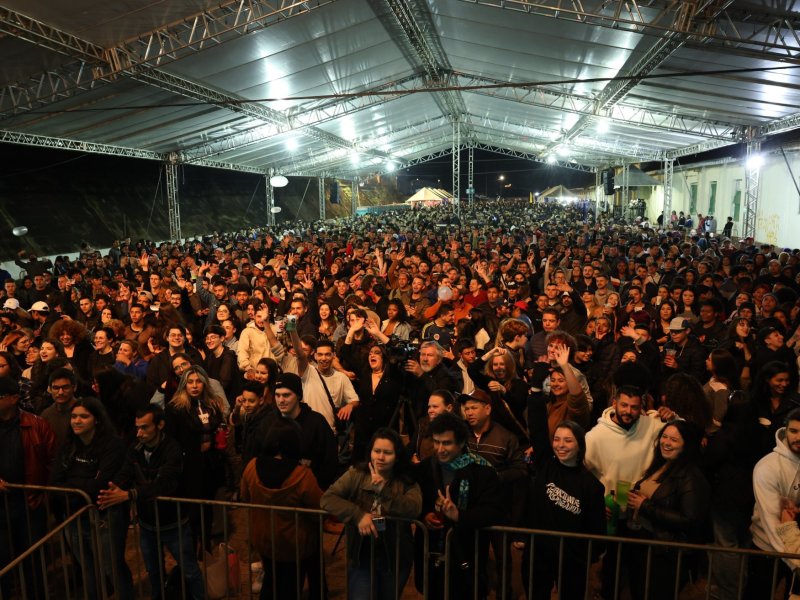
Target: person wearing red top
(27, 450)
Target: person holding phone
(362, 498)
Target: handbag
(342, 429)
(222, 572)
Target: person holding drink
(683, 352)
(669, 503)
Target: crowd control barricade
(699, 559)
(37, 524)
(307, 567)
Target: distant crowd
(518, 365)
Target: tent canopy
(346, 87)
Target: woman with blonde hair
(195, 417)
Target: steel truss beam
(412, 20)
(622, 113)
(615, 91)
(751, 29)
(355, 196)
(471, 174)
(42, 141)
(609, 150)
(455, 153)
(752, 168)
(321, 195)
(272, 122)
(701, 147)
(780, 125)
(173, 201)
(324, 161)
(269, 193)
(669, 166)
(211, 27)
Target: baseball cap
(521, 304)
(11, 304)
(477, 395)
(679, 324)
(40, 307)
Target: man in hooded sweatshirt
(776, 484)
(619, 449)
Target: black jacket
(88, 467)
(317, 444)
(484, 508)
(440, 377)
(678, 509)
(691, 359)
(160, 476)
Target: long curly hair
(182, 401)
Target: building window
(737, 200)
(692, 198)
(712, 197)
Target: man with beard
(776, 508)
(618, 450)
(621, 446)
(429, 374)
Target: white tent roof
(430, 195)
(344, 87)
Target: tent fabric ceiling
(340, 87)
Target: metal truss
(321, 111)
(27, 139)
(752, 28)
(269, 193)
(211, 27)
(533, 134)
(173, 203)
(471, 174)
(355, 197)
(325, 161)
(780, 125)
(42, 141)
(622, 113)
(455, 152)
(321, 195)
(669, 166)
(700, 147)
(273, 122)
(752, 168)
(413, 28)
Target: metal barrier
(46, 568)
(617, 550)
(32, 526)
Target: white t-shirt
(314, 395)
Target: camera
(400, 351)
(291, 323)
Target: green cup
(623, 487)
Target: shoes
(257, 569)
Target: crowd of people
(519, 365)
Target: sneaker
(257, 569)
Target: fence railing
(68, 559)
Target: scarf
(466, 459)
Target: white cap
(11, 304)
